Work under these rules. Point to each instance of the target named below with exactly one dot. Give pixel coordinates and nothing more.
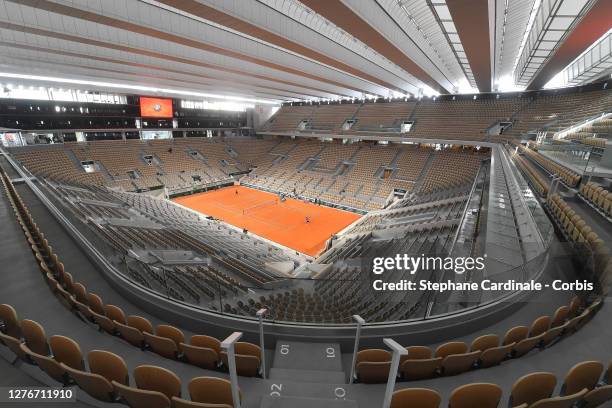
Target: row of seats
(452, 358)
(539, 183)
(168, 341)
(598, 196)
(106, 376)
(569, 177)
(584, 386)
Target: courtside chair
(531, 388)
(415, 398)
(480, 395)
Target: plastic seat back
(108, 365)
(567, 401)
(415, 397)
(153, 378)
(532, 387)
(584, 375)
(35, 337)
(453, 347)
(8, 316)
(211, 390)
(138, 398)
(481, 395)
(420, 369)
(67, 351)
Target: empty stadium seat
(481, 395)
(415, 398)
(10, 322)
(248, 357)
(202, 351)
(133, 330)
(166, 341)
(567, 401)
(373, 365)
(531, 388)
(584, 375)
(35, 337)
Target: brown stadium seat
(539, 326)
(526, 345)
(574, 307)
(95, 303)
(598, 397)
(552, 334)
(454, 364)
(48, 364)
(67, 351)
(583, 375)
(485, 342)
(114, 313)
(560, 316)
(166, 341)
(532, 387)
(13, 344)
(202, 351)
(515, 334)
(35, 337)
(495, 355)
(373, 365)
(211, 392)
(153, 378)
(453, 347)
(80, 292)
(415, 353)
(10, 322)
(104, 367)
(420, 369)
(415, 398)
(108, 365)
(248, 357)
(137, 398)
(132, 332)
(567, 401)
(481, 395)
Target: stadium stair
(313, 369)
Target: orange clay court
(263, 213)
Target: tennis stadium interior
(214, 203)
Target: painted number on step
(284, 349)
(330, 352)
(275, 390)
(340, 393)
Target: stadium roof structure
(288, 50)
